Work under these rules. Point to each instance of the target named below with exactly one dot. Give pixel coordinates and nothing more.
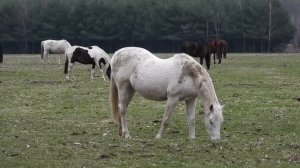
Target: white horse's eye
(211, 122)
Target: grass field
(48, 122)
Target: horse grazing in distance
(87, 55)
(218, 47)
(53, 46)
(196, 49)
(179, 78)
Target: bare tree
(23, 20)
(243, 24)
(270, 25)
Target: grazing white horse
(87, 55)
(179, 78)
(53, 46)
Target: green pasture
(46, 121)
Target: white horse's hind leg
(126, 93)
(170, 106)
(101, 70)
(190, 109)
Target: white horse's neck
(207, 92)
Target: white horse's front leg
(170, 106)
(70, 70)
(102, 74)
(190, 110)
(58, 59)
(92, 73)
(101, 71)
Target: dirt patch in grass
(42, 82)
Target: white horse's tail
(114, 97)
(42, 50)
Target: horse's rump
(42, 49)
(218, 47)
(197, 49)
(189, 48)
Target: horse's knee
(201, 62)
(166, 122)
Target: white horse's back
(56, 46)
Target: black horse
(196, 49)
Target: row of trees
(248, 25)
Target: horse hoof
(192, 137)
(127, 136)
(158, 136)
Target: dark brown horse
(218, 47)
(196, 49)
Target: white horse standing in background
(53, 46)
(87, 55)
(179, 78)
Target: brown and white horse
(87, 55)
(179, 78)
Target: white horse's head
(213, 119)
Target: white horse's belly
(57, 50)
(150, 89)
(151, 92)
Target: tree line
(247, 25)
